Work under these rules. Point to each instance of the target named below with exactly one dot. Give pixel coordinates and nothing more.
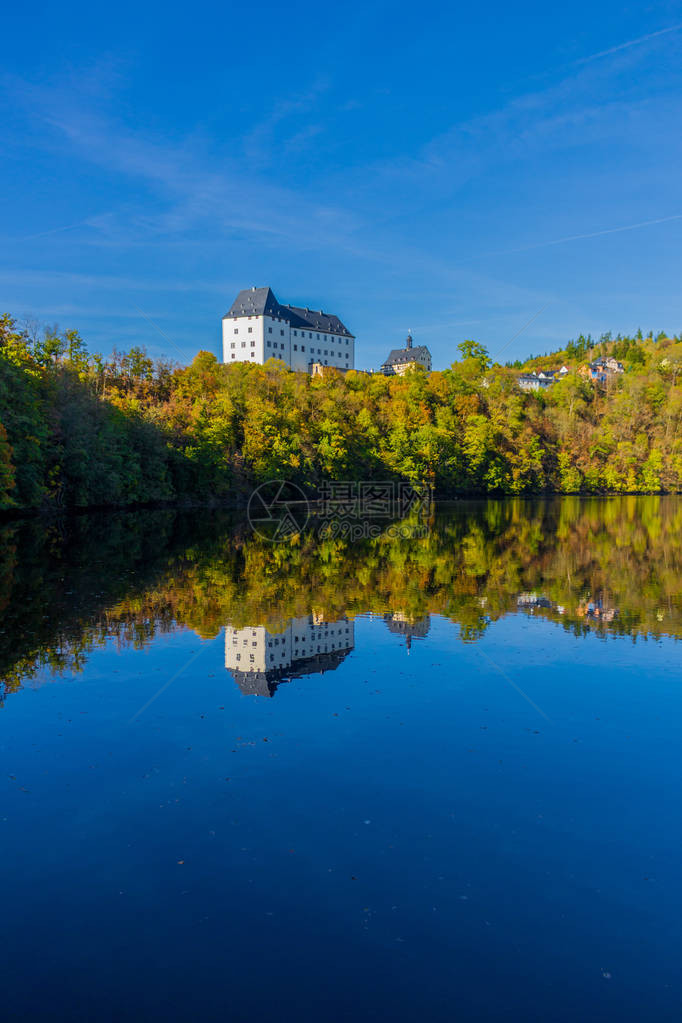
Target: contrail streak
(161, 332)
(55, 230)
(519, 332)
(581, 237)
(631, 42)
(165, 686)
(514, 685)
(608, 230)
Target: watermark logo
(278, 510)
(371, 500)
(348, 510)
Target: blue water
(431, 830)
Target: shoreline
(49, 512)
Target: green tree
(7, 474)
(476, 351)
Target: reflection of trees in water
(610, 566)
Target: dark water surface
(431, 777)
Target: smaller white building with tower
(258, 327)
(410, 357)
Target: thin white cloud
(195, 187)
(260, 144)
(229, 202)
(55, 230)
(104, 281)
(628, 44)
(369, 217)
(582, 237)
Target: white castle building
(259, 659)
(258, 328)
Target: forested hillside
(78, 430)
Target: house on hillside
(258, 327)
(535, 381)
(401, 359)
(538, 380)
(602, 370)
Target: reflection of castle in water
(259, 660)
(411, 628)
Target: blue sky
(457, 170)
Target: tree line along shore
(78, 430)
(591, 566)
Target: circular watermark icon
(278, 510)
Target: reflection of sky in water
(414, 827)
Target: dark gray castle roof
(265, 683)
(256, 302)
(262, 302)
(419, 628)
(313, 319)
(398, 355)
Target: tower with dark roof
(401, 359)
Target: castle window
(233, 355)
(302, 348)
(250, 330)
(282, 347)
(295, 334)
(232, 344)
(325, 351)
(253, 344)
(295, 348)
(282, 333)
(243, 344)
(236, 330)
(269, 330)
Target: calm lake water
(427, 777)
